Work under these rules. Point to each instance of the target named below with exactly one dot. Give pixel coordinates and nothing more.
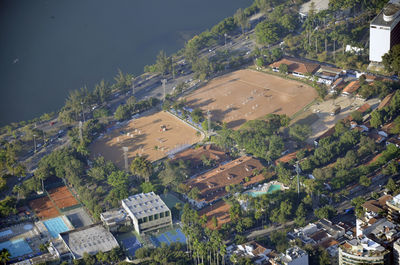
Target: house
(373, 208)
(386, 101)
(327, 75)
(211, 185)
(296, 67)
(335, 84)
(395, 140)
(253, 250)
(292, 256)
(114, 219)
(351, 88)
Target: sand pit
(153, 135)
(247, 95)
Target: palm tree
(5, 256)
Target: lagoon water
(49, 47)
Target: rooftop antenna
(125, 149)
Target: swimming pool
(17, 247)
(271, 189)
(55, 226)
(274, 187)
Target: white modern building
(384, 31)
(292, 256)
(363, 251)
(147, 211)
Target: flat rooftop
(145, 204)
(388, 14)
(90, 239)
(114, 216)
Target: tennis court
(44, 208)
(55, 226)
(171, 236)
(131, 244)
(16, 248)
(62, 197)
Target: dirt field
(247, 95)
(144, 136)
(62, 197)
(44, 208)
(220, 210)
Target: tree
(197, 115)
(391, 60)
(122, 113)
(283, 68)
(241, 19)
(365, 181)
(325, 212)
(142, 167)
(147, 187)
(300, 132)
(391, 186)
(163, 63)
(266, 33)
(300, 219)
(5, 256)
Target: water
(271, 189)
(50, 47)
(55, 226)
(17, 247)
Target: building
(319, 5)
(114, 219)
(292, 256)
(297, 67)
(374, 208)
(351, 88)
(327, 75)
(147, 211)
(384, 31)
(211, 185)
(363, 251)
(394, 209)
(396, 252)
(90, 239)
(252, 250)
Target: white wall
(379, 43)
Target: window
(140, 220)
(144, 219)
(150, 218)
(161, 215)
(166, 214)
(156, 216)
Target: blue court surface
(17, 247)
(55, 226)
(131, 245)
(168, 237)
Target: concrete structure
(327, 75)
(114, 219)
(374, 208)
(363, 251)
(147, 211)
(252, 250)
(292, 256)
(319, 5)
(394, 209)
(384, 31)
(90, 239)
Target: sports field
(220, 210)
(44, 208)
(154, 135)
(62, 197)
(247, 95)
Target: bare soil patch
(247, 95)
(146, 136)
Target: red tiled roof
(364, 108)
(212, 183)
(376, 205)
(195, 156)
(328, 243)
(385, 101)
(297, 65)
(220, 210)
(352, 87)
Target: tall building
(396, 252)
(394, 209)
(147, 211)
(363, 251)
(384, 31)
